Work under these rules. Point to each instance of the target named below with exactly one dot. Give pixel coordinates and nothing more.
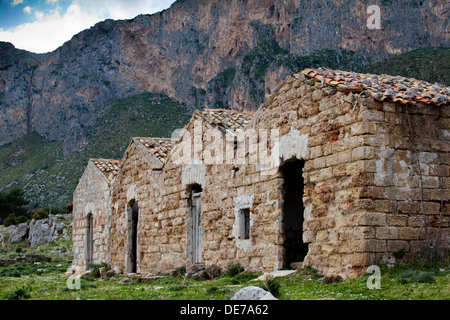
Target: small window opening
(244, 224)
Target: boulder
(19, 233)
(196, 267)
(43, 231)
(213, 271)
(253, 293)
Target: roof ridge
(382, 87)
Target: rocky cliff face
(204, 53)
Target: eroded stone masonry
(337, 170)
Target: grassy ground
(41, 280)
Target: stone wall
(92, 196)
(362, 188)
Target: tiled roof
(110, 168)
(383, 87)
(160, 147)
(225, 119)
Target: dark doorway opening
(295, 249)
(133, 219)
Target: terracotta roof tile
(110, 168)
(225, 119)
(383, 87)
(160, 147)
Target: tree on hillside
(13, 202)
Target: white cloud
(39, 15)
(51, 30)
(16, 2)
(125, 9)
(52, 1)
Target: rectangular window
(244, 224)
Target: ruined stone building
(337, 170)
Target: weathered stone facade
(92, 214)
(342, 191)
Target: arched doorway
(132, 231)
(295, 249)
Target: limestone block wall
(92, 196)
(362, 187)
(133, 183)
(408, 179)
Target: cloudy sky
(44, 25)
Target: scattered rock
(6, 262)
(331, 278)
(196, 267)
(199, 271)
(102, 272)
(149, 278)
(125, 280)
(110, 273)
(174, 273)
(253, 293)
(213, 271)
(19, 233)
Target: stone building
(92, 213)
(337, 170)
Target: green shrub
(13, 220)
(10, 220)
(212, 289)
(273, 286)
(95, 269)
(18, 294)
(181, 270)
(410, 276)
(21, 219)
(399, 253)
(233, 269)
(176, 288)
(40, 214)
(244, 277)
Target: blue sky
(44, 25)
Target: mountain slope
(429, 64)
(49, 178)
(184, 50)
